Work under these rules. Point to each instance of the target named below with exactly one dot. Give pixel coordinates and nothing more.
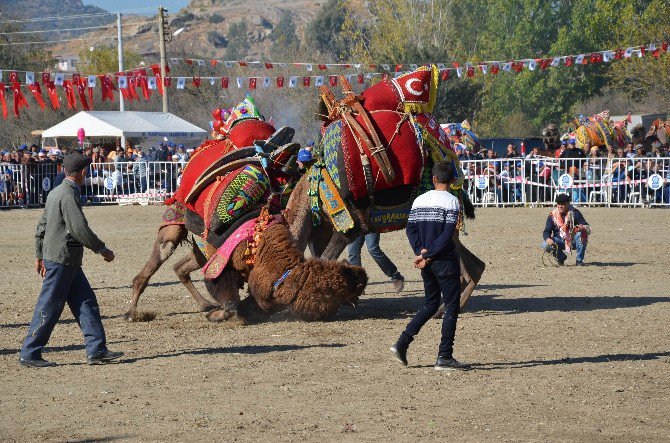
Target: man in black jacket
(566, 228)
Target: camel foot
(133, 316)
(228, 315)
(440, 312)
(209, 307)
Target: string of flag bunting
(128, 82)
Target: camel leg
(183, 269)
(226, 290)
(338, 242)
(167, 240)
(472, 269)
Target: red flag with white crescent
(52, 94)
(37, 94)
(3, 103)
(19, 99)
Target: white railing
(598, 181)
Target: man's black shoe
(399, 354)
(561, 262)
(450, 364)
(579, 263)
(103, 357)
(35, 363)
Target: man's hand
(550, 241)
(39, 267)
(108, 255)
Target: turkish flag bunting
(37, 94)
(333, 80)
(495, 68)
(168, 82)
(106, 87)
(445, 74)
(618, 54)
(323, 67)
(664, 45)
(224, 82)
(196, 82)
(280, 82)
(544, 63)
(268, 65)
(19, 99)
(144, 83)
(53, 94)
(132, 88)
(252, 83)
(656, 52)
(306, 81)
(157, 73)
(213, 62)
(75, 78)
(46, 78)
(81, 89)
(242, 63)
(13, 77)
(471, 71)
(360, 79)
(3, 103)
(643, 50)
(568, 61)
(188, 61)
(398, 68)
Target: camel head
(551, 137)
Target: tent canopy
(129, 124)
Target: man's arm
(548, 227)
(579, 219)
(444, 242)
(76, 224)
(39, 234)
(412, 232)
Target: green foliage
(238, 42)
(106, 59)
(215, 18)
(325, 33)
(283, 36)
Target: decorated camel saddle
(599, 130)
(249, 164)
(376, 148)
(462, 133)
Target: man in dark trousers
(60, 238)
(565, 229)
(430, 228)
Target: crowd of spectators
(625, 170)
(133, 169)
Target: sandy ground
(559, 353)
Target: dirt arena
(559, 353)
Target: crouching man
(566, 229)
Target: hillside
(206, 24)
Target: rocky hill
(206, 24)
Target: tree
(105, 59)
(283, 36)
(325, 33)
(238, 43)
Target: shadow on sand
(605, 358)
(496, 303)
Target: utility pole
(161, 36)
(120, 46)
(121, 69)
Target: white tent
(127, 124)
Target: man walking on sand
(60, 238)
(430, 228)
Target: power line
(57, 41)
(58, 30)
(67, 17)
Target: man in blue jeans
(564, 230)
(382, 260)
(430, 229)
(61, 236)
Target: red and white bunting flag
(19, 99)
(37, 94)
(323, 67)
(3, 103)
(333, 80)
(568, 60)
(445, 74)
(268, 65)
(280, 82)
(470, 71)
(306, 81)
(196, 82)
(224, 82)
(484, 68)
(360, 79)
(213, 63)
(495, 68)
(252, 83)
(242, 63)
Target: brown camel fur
(314, 289)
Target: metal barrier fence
(600, 181)
(634, 182)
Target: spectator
(534, 153)
(629, 150)
(140, 170)
(511, 151)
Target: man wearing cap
(60, 238)
(564, 230)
